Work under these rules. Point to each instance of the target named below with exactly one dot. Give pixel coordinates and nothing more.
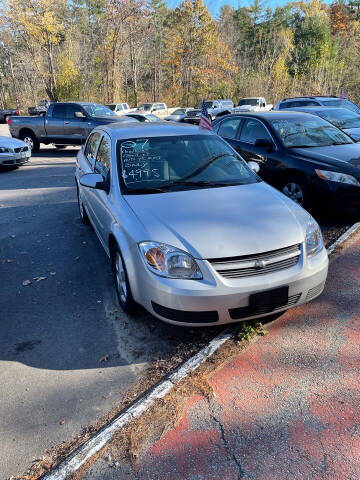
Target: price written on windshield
(140, 166)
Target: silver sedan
(193, 234)
(13, 152)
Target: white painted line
(350, 231)
(96, 443)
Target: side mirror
(253, 165)
(94, 180)
(264, 142)
(79, 115)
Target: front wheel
(121, 280)
(295, 189)
(31, 141)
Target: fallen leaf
(38, 279)
(52, 273)
(104, 359)
(84, 243)
(26, 282)
(12, 236)
(62, 422)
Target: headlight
(4, 150)
(337, 177)
(168, 261)
(313, 241)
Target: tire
(82, 212)
(121, 280)
(296, 189)
(60, 147)
(31, 140)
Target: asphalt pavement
(66, 359)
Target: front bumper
(10, 159)
(218, 300)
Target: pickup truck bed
(63, 124)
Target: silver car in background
(193, 234)
(13, 152)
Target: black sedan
(307, 158)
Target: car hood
(9, 142)
(221, 222)
(334, 155)
(353, 132)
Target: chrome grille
(244, 312)
(258, 264)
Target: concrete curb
(100, 439)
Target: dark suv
(316, 102)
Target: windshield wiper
(200, 183)
(302, 146)
(341, 143)
(141, 191)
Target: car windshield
(207, 104)
(248, 101)
(341, 117)
(308, 131)
(145, 106)
(96, 110)
(339, 102)
(173, 163)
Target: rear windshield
(338, 102)
(341, 117)
(173, 163)
(248, 101)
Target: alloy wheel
(294, 191)
(120, 276)
(29, 141)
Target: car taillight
(9, 122)
(17, 112)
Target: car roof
(266, 115)
(152, 129)
(311, 97)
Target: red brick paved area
(286, 408)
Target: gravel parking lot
(68, 356)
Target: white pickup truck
(158, 109)
(253, 104)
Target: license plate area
(272, 299)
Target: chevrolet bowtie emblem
(260, 264)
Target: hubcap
(120, 278)
(30, 142)
(294, 191)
